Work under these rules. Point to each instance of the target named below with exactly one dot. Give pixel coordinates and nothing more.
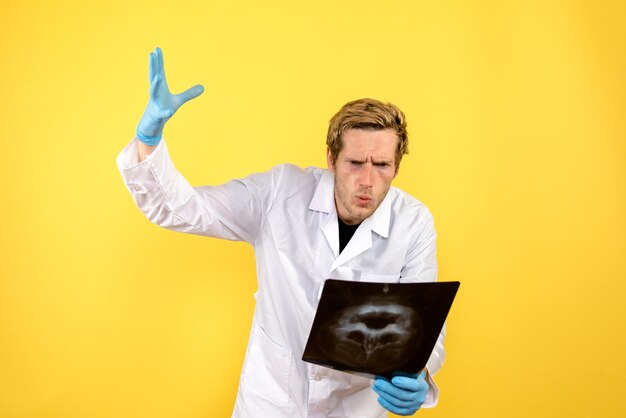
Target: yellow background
(516, 113)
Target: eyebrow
(382, 161)
(374, 161)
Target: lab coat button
(138, 189)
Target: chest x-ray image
(383, 329)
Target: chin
(361, 215)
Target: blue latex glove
(162, 104)
(402, 395)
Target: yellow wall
(517, 116)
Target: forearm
(230, 211)
(162, 193)
(143, 150)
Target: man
(306, 225)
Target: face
(363, 172)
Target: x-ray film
(378, 329)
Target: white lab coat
(288, 214)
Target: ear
(329, 160)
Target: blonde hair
(369, 114)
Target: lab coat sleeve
(234, 210)
(421, 266)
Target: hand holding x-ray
(162, 104)
(401, 395)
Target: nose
(366, 175)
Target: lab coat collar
(324, 201)
(382, 216)
(324, 197)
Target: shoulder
(410, 217)
(292, 170)
(284, 173)
(286, 180)
(292, 176)
(407, 206)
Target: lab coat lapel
(330, 228)
(361, 241)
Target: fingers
(404, 411)
(402, 395)
(159, 62)
(154, 87)
(159, 90)
(152, 67)
(411, 401)
(410, 383)
(189, 94)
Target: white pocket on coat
(267, 370)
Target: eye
(355, 162)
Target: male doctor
(306, 225)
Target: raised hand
(162, 104)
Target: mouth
(363, 200)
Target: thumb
(189, 94)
